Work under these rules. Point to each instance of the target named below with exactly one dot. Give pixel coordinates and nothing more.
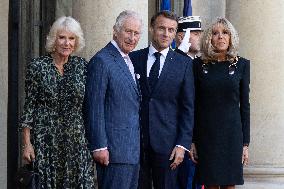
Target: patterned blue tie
(154, 72)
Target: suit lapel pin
(137, 76)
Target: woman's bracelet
(26, 145)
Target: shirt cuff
(182, 147)
(100, 149)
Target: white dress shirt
(151, 58)
(126, 59)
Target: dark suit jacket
(170, 106)
(181, 52)
(112, 104)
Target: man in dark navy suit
(112, 107)
(167, 108)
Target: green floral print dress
(53, 112)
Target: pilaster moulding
(264, 174)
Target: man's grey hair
(124, 16)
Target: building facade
(25, 23)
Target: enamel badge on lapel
(233, 66)
(137, 76)
(205, 68)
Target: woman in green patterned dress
(52, 126)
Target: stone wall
(4, 4)
(261, 31)
(98, 17)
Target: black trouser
(156, 167)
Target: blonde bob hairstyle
(68, 24)
(207, 50)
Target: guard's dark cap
(192, 22)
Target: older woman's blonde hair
(69, 24)
(207, 50)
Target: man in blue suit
(167, 108)
(112, 107)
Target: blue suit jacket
(170, 106)
(112, 104)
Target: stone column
(98, 17)
(4, 4)
(63, 8)
(208, 10)
(152, 9)
(261, 31)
